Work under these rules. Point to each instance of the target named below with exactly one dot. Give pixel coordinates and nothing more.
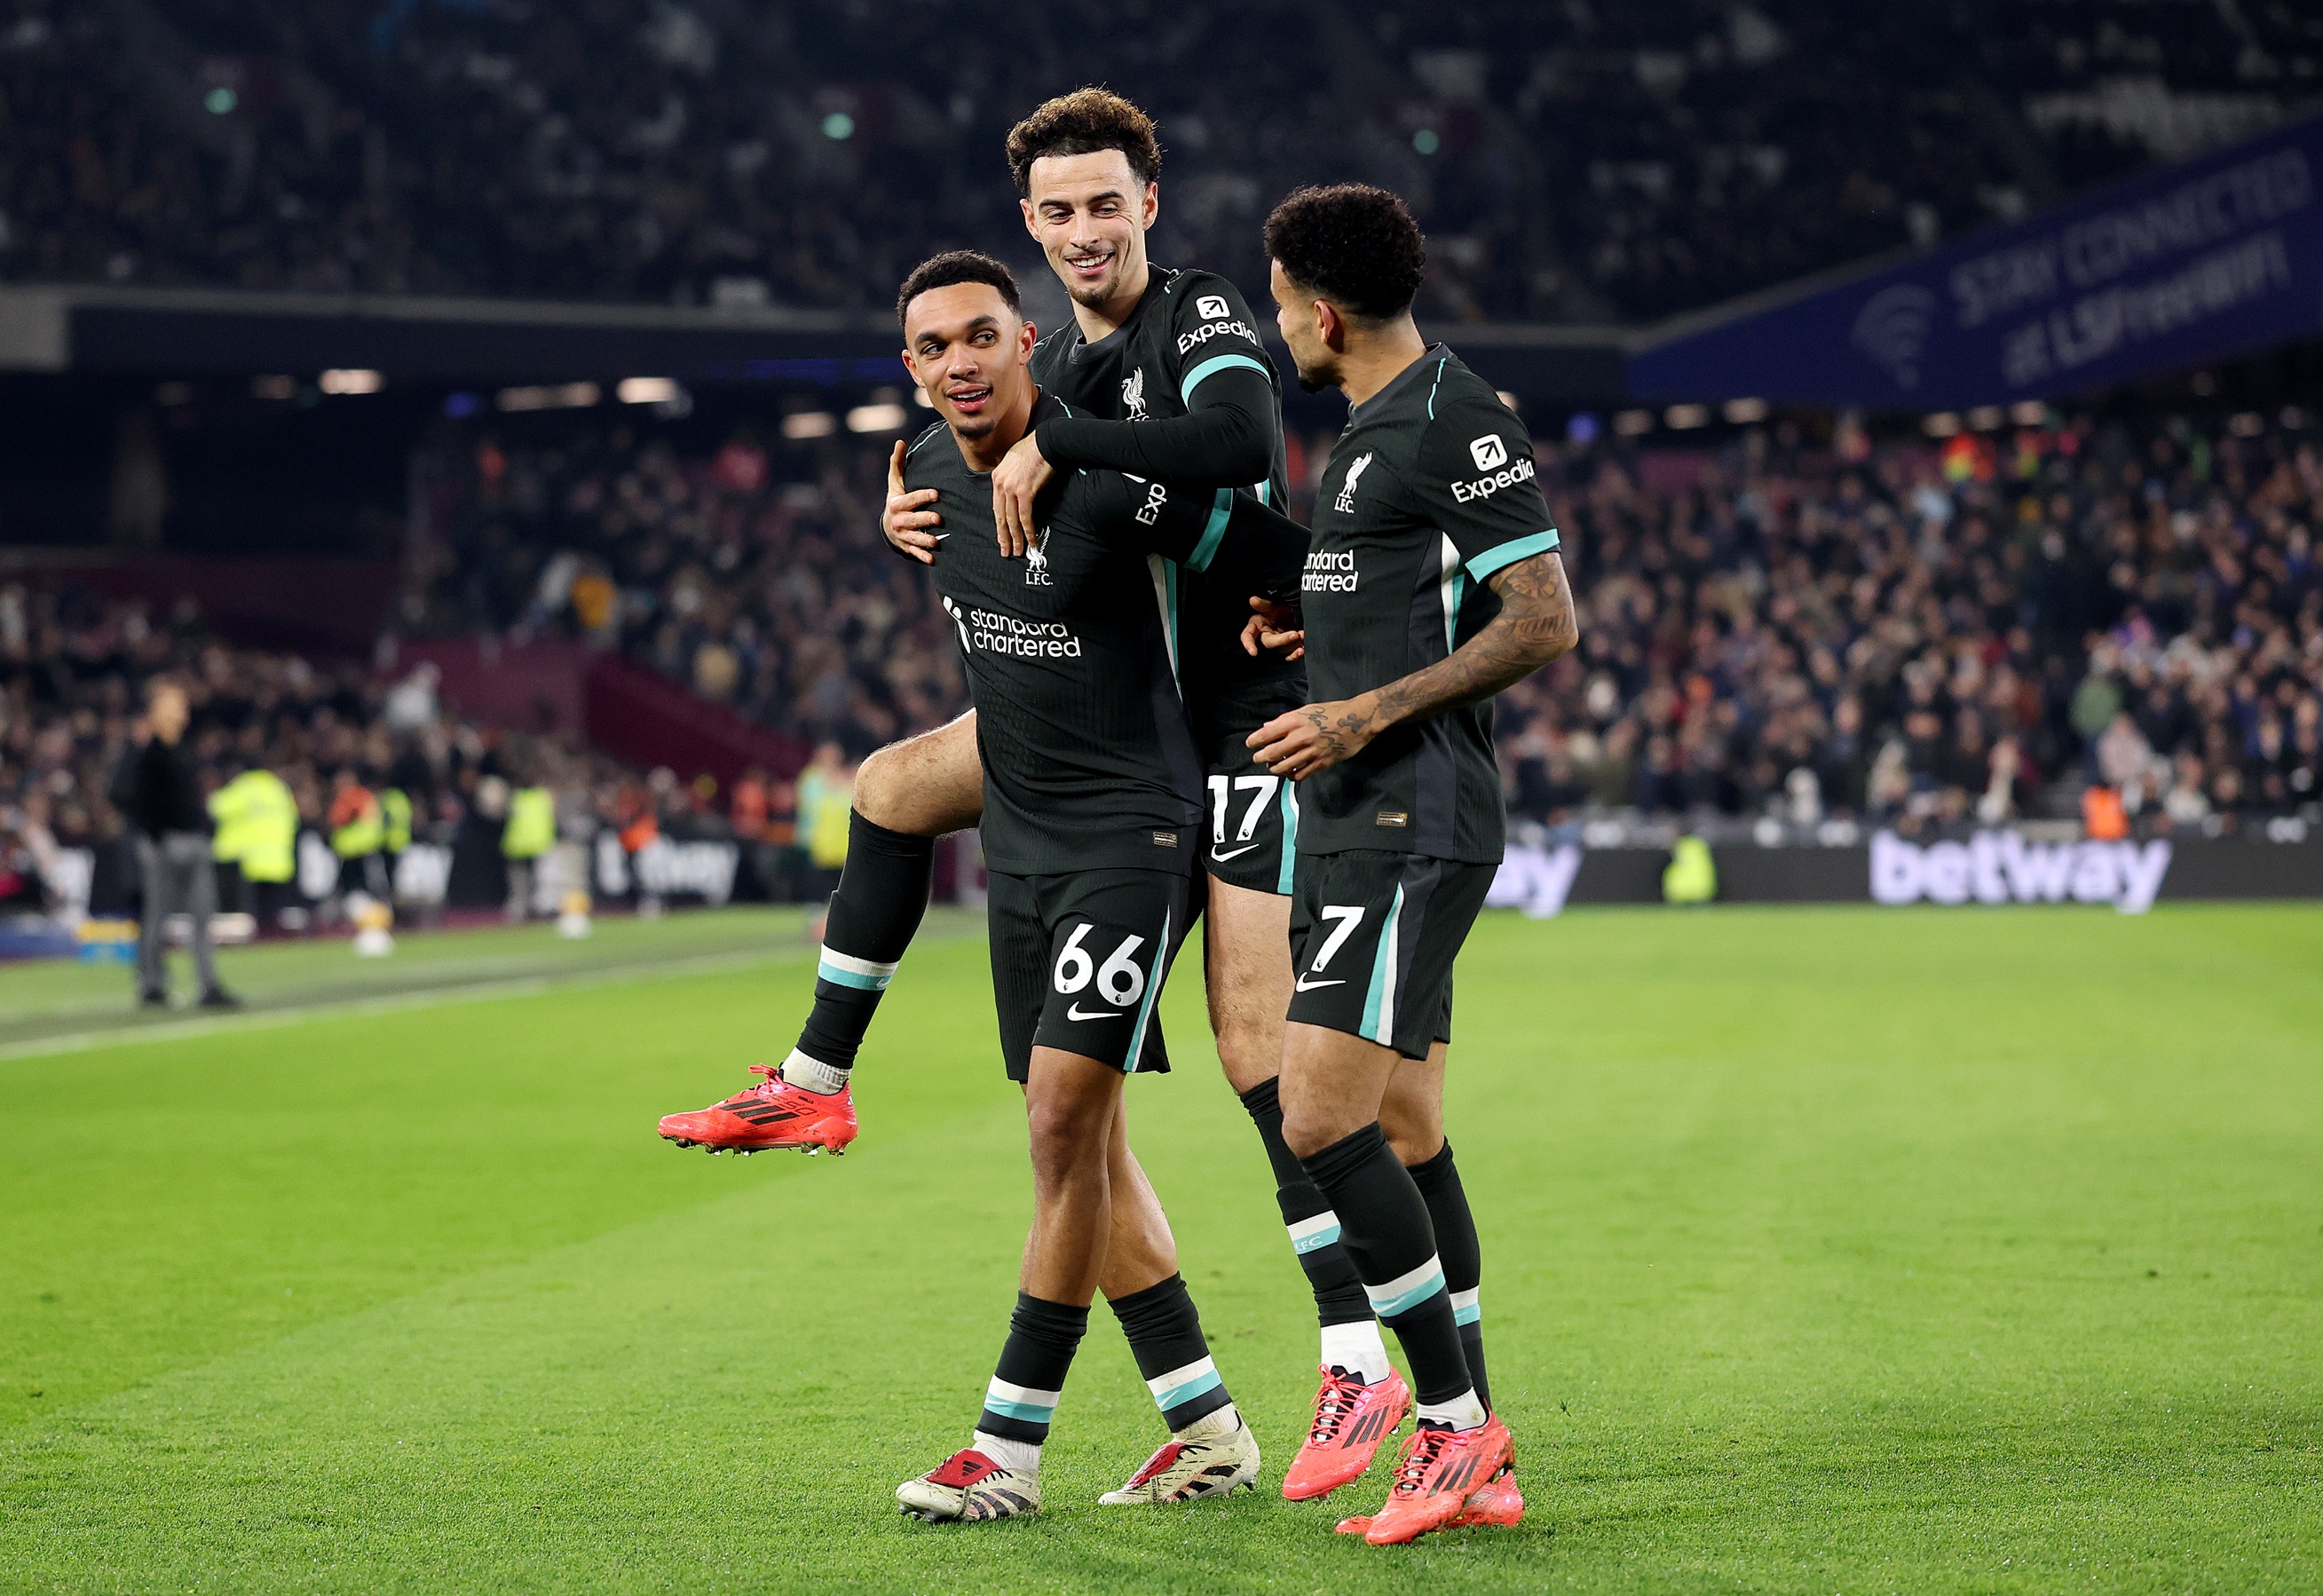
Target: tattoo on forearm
(1536, 625)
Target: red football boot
(1351, 1421)
(1440, 1471)
(773, 1114)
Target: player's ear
(1150, 207)
(1330, 325)
(913, 366)
(1030, 226)
(1028, 335)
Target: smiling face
(968, 350)
(1090, 214)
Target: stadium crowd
(371, 764)
(1573, 161)
(1918, 635)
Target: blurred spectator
(1573, 162)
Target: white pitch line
(392, 1003)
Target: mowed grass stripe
(1825, 1251)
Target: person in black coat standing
(160, 795)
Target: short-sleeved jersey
(1089, 759)
(1428, 491)
(1189, 327)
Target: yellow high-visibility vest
(395, 811)
(531, 828)
(266, 826)
(228, 829)
(1692, 876)
(361, 835)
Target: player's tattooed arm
(1536, 625)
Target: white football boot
(970, 1488)
(1212, 1456)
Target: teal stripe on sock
(1030, 1412)
(1387, 1307)
(1200, 1385)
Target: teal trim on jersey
(1030, 1412)
(827, 972)
(1509, 553)
(1452, 611)
(1289, 838)
(1165, 600)
(1213, 533)
(1152, 990)
(1434, 386)
(1264, 491)
(1375, 1026)
(1211, 368)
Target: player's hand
(1275, 628)
(904, 523)
(1016, 483)
(1316, 736)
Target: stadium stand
(1574, 163)
(72, 672)
(1930, 635)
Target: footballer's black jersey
(1189, 328)
(1428, 491)
(1070, 656)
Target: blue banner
(2184, 265)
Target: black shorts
(1373, 937)
(1253, 816)
(1078, 960)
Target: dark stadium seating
(1573, 161)
(1925, 634)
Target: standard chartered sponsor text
(1028, 639)
(1329, 570)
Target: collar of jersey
(1432, 353)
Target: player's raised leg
(906, 795)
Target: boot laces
(1427, 1447)
(1335, 1404)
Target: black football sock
(1165, 1336)
(1464, 1260)
(1314, 1229)
(1384, 1224)
(883, 893)
(1022, 1399)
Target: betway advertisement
(2189, 263)
(2002, 868)
(1541, 875)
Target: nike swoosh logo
(1232, 854)
(1307, 986)
(1074, 1013)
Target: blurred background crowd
(1570, 160)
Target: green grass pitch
(1825, 1251)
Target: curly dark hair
(957, 266)
(1082, 123)
(1352, 245)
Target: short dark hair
(1354, 244)
(958, 266)
(1083, 123)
